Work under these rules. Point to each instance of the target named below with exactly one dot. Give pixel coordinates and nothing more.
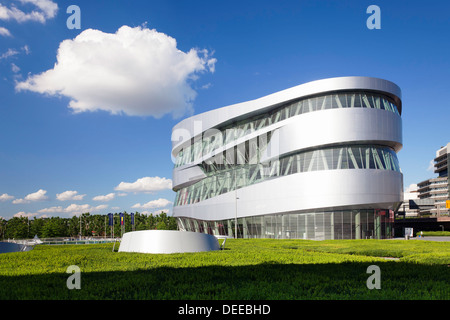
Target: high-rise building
(437, 189)
(316, 161)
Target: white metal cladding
(308, 191)
(312, 130)
(361, 188)
(216, 117)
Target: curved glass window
(225, 178)
(314, 225)
(221, 136)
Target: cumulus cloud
(135, 71)
(44, 10)
(107, 197)
(6, 197)
(69, 195)
(160, 203)
(146, 184)
(39, 195)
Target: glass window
(358, 103)
(231, 132)
(338, 101)
(222, 178)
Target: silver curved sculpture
(167, 241)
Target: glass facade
(243, 151)
(228, 176)
(202, 146)
(321, 225)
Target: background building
(410, 193)
(316, 161)
(436, 190)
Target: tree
(73, 226)
(85, 224)
(54, 227)
(22, 227)
(164, 222)
(2, 228)
(36, 226)
(161, 225)
(17, 228)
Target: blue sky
(72, 141)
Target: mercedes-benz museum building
(316, 161)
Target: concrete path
(427, 238)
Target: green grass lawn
(247, 269)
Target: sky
(86, 113)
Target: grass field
(247, 269)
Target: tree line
(85, 225)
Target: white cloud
(9, 53)
(410, 192)
(431, 166)
(26, 48)
(5, 32)
(52, 210)
(24, 214)
(46, 9)
(160, 203)
(19, 201)
(5, 197)
(14, 68)
(206, 86)
(107, 197)
(74, 209)
(37, 196)
(32, 197)
(156, 212)
(146, 184)
(411, 188)
(135, 71)
(13, 52)
(69, 195)
(82, 208)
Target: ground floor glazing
(319, 225)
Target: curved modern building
(316, 161)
